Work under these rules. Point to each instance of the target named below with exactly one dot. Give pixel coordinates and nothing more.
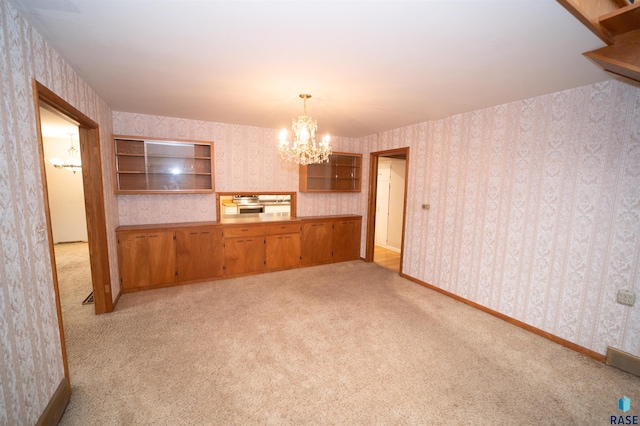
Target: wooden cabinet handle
(140, 236)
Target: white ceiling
(370, 66)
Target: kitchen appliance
(248, 204)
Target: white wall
(66, 194)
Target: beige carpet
(349, 343)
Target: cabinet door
(291, 252)
(132, 253)
(162, 257)
(187, 254)
(211, 252)
(282, 251)
(254, 254)
(243, 255)
(316, 243)
(233, 255)
(346, 240)
(199, 253)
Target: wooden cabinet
(330, 240)
(244, 250)
(151, 166)
(316, 242)
(346, 239)
(152, 256)
(146, 259)
(282, 245)
(342, 173)
(199, 253)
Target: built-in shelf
(156, 166)
(342, 173)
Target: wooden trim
(371, 205)
(157, 139)
(96, 220)
(622, 58)
(93, 192)
(371, 208)
(559, 340)
(588, 12)
(115, 302)
(54, 270)
(57, 404)
(622, 20)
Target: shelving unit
(342, 173)
(153, 166)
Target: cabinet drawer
(292, 228)
(244, 231)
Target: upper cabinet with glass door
(144, 166)
(342, 173)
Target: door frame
(373, 193)
(89, 136)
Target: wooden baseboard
(58, 403)
(525, 326)
(115, 302)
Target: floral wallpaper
(535, 206)
(31, 365)
(245, 160)
(535, 210)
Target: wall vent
(623, 360)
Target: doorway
(387, 206)
(89, 147)
(60, 143)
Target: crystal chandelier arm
(304, 150)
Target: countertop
(269, 218)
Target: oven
(247, 208)
(248, 204)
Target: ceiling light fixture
(304, 149)
(73, 163)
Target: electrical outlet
(626, 297)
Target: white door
(396, 203)
(382, 201)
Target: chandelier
(304, 149)
(72, 163)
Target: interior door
(382, 201)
